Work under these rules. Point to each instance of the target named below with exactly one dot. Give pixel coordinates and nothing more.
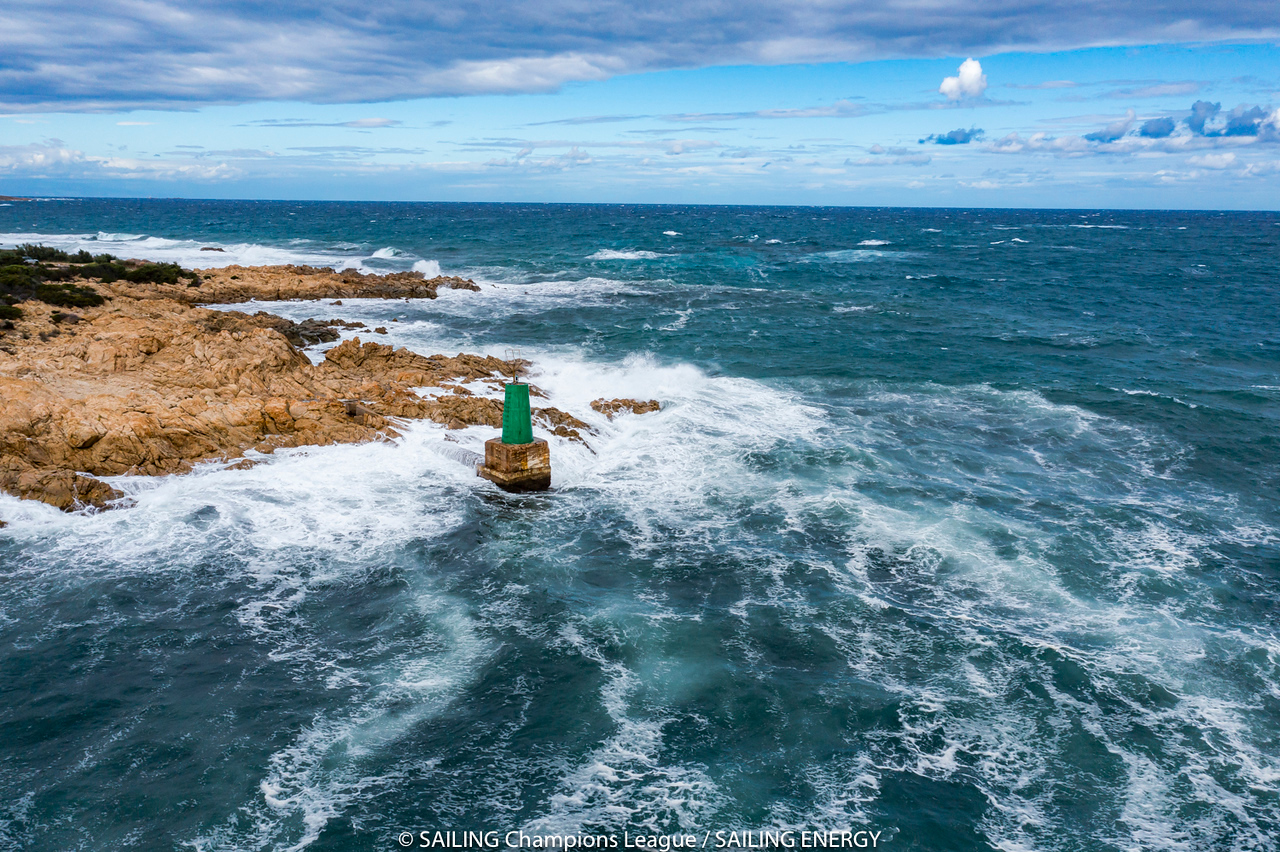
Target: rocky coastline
(150, 382)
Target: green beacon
(517, 461)
(517, 422)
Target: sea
(957, 530)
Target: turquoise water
(958, 526)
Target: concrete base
(517, 467)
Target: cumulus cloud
(1157, 128)
(1114, 130)
(1062, 146)
(181, 54)
(1243, 121)
(959, 136)
(1223, 160)
(1201, 112)
(970, 82)
(52, 158)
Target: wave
(612, 254)
(874, 243)
(855, 255)
(195, 253)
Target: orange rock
(150, 384)
(611, 408)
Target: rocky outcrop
(150, 383)
(611, 408)
(234, 284)
(153, 386)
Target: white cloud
(39, 158)
(1224, 160)
(1114, 130)
(52, 158)
(372, 122)
(1062, 146)
(970, 82)
(181, 55)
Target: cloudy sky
(1163, 104)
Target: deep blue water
(959, 526)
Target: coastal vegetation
(46, 274)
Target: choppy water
(957, 526)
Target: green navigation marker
(517, 422)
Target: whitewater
(956, 526)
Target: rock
(233, 284)
(611, 408)
(210, 248)
(63, 489)
(380, 330)
(148, 383)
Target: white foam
(429, 268)
(856, 255)
(612, 254)
(874, 243)
(190, 253)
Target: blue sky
(1165, 105)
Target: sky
(986, 103)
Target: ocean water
(956, 526)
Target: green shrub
(42, 252)
(68, 295)
(157, 273)
(9, 312)
(16, 281)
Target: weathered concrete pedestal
(517, 467)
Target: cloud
(1157, 128)
(359, 123)
(970, 82)
(1062, 146)
(1244, 122)
(52, 158)
(684, 146)
(905, 159)
(1241, 121)
(1201, 112)
(959, 136)
(68, 55)
(1224, 160)
(839, 109)
(1157, 90)
(1114, 130)
(1049, 84)
(591, 119)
